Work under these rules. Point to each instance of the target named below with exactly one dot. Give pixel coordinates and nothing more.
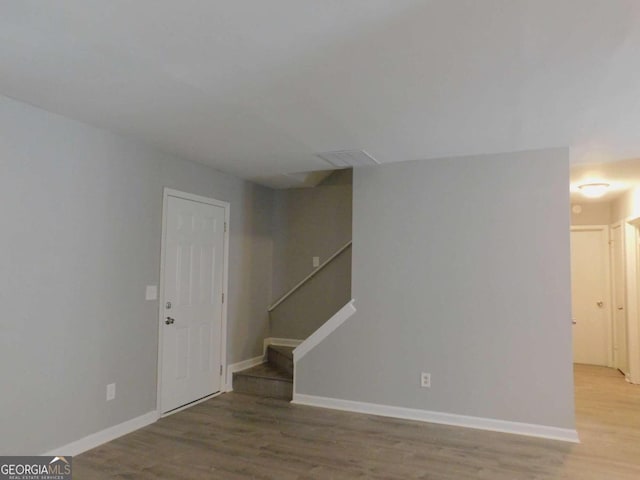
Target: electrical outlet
(316, 261)
(425, 380)
(111, 391)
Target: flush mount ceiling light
(594, 190)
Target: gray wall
(82, 212)
(311, 222)
(460, 269)
(314, 303)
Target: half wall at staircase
(460, 269)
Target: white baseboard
(96, 439)
(239, 366)
(532, 430)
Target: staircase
(272, 379)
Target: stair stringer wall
(460, 269)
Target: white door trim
(631, 238)
(608, 284)
(169, 192)
(615, 287)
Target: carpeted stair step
(281, 358)
(264, 380)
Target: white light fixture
(594, 190)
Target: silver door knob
(169, 320)
(600, 304)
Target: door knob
(169, 320)
(600, 304)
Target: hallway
(608, 417)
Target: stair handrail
(308, 277)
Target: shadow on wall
(315, 302)
(250, 273)
(311, 222)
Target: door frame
(608, 311)
(632, 256)
(169, 192)
(615, 287)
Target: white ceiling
(257, 87)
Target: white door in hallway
(191, 320)
(620, 348)
(589, 294)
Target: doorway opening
(605, 278)
(604, 267)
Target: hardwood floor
(237, 436)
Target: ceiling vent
(348, 158)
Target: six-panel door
(192, 302)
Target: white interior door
(620, 347)
(589, 293)
(191, 360)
